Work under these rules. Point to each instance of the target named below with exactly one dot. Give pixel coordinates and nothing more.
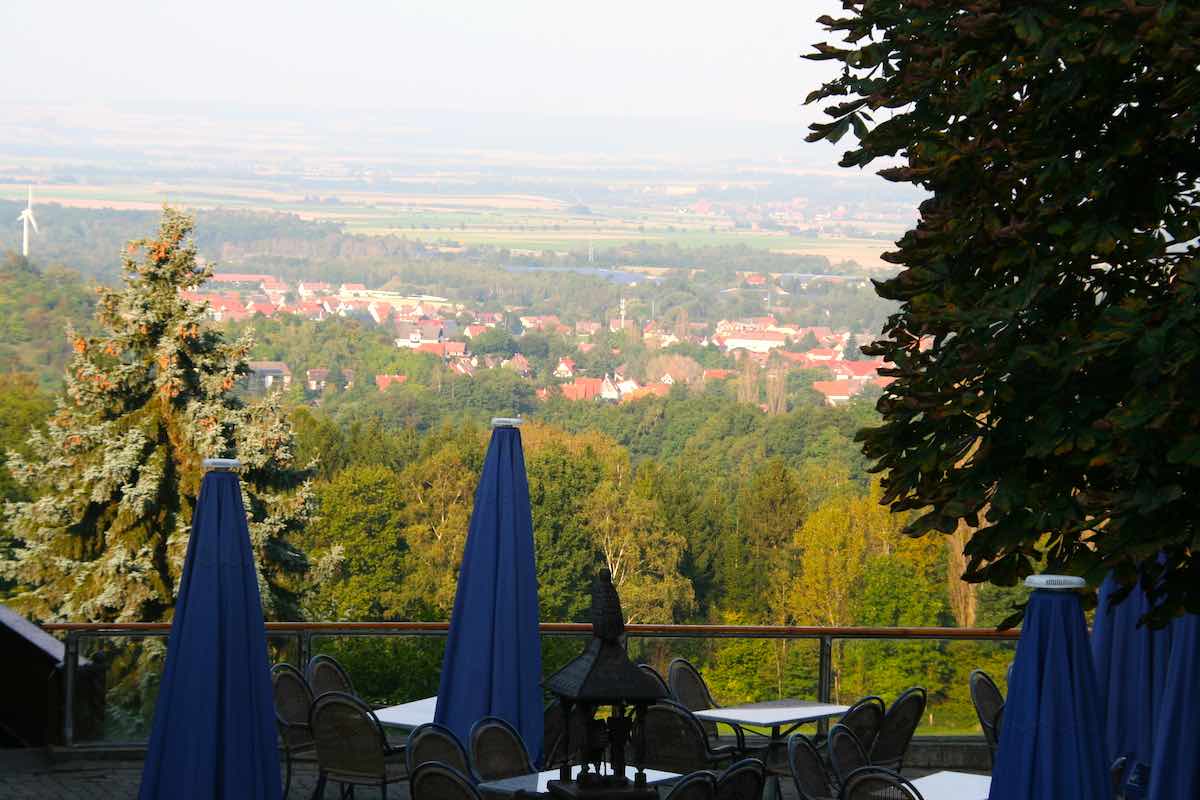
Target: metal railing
(304, 632)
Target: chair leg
(319, 792)
(287, 775)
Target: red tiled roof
(582, 389)
(384, 381)
(832, 389)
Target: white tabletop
(773, 713)
(408, 715)
(954, 786)
(538, 783)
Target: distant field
(865, 251)
(520, 221)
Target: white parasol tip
(1058, 582)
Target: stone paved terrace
(38, 775)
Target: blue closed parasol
(1052, 738)
(493, 661)
(1131, 671)
(214, 723)
(1175, 770)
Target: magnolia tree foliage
(116, 475)
(1047, 348)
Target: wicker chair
(434, 781)
(497, 751)
(899, 724)
(742, 781)
(865, 718)
(688, 689)
(808, 770)
(293, 701)
(676, 742)
(325, 674)
(436, 743)
(696, 786)
(846, 754)
(989, 703)
(352, 748)
(658, 678)
(877, 783)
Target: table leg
(771, 790)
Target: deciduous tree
(1046, 352)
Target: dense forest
(705, 507)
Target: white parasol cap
(222, 465)
(506, 422)
(1061, 583)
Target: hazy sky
(730, 60)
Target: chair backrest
(877, 783)
(808, 771)
(293, 701)
(350, 741)
(845, 752)
(865, 718)
(988, 702)
(675, 741)
(899, 724)
(435, 743)
(743, 780)
(688, 689)
(497, 751)
(325, 674)
(434, 781)
(658, 678)
(696, 786)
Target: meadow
(502, 220)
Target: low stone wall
(961, 753)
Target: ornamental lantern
(603, 675)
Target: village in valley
(445, 330)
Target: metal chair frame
(432, 731)
(681, 670)
(386, 750)
(729, 782)
(290, 729)
(478, 730)
(800, 747)
(434, 769)
(700, 785)
(900, 722)
(865, 717)
(883, 779)
(989, 706)
(846, 754)
(324, 662)
(708, 755)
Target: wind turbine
(26, 218)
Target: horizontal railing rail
(577, 628)
(304, 632)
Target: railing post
(71, 656)
(825, 678)
(305, 651)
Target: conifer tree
(117, 472)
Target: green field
(527, 222)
